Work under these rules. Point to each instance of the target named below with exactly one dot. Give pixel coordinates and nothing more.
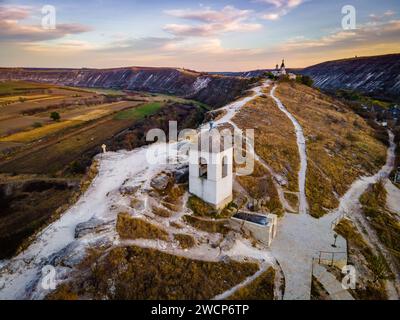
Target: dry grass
(262, 288)
(161, 212)
(201, 208)
(133, 273)
(293, 199)
(259, 186)
(218, 226)
(175, 224)
(338, 150)
(38, 133)
(275, 140)
(135, 228)
(186, 241)
(370, 286)
(318, 291)
(174, 194)
(385, 223)
(27, 98)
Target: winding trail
(301, 143)
(301, 237)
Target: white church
(281, 71)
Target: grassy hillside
(121, 274)
(340, 145)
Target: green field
(18, 87)
(140, 112)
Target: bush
(206, 225)
(55, 116)
(262, 288)
(306, 80)
(37, 125)
(185, 241)
(161, 212)
(135, 228)
(201, 208)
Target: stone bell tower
(211, 170)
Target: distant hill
(214, 90)
(249, 74)
(377, 76)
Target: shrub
(136, 228)
(262, 288)
(55, 116)
(306, 80)
(164, 213)
(207, 225)
(185, 241)
(201, 208)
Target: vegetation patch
(275, 141)
(136, 228)
(318, 292)
(341, 146)
(19, 87)
(186, 241)
(262, 288)
(161, 212)
(259, 186)
(384, 222)
(38, 133)
(200, 207)
(133, 273)
(211, 226)
(372, 269)
(139, 112)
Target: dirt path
(301, 142)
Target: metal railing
(329, 257)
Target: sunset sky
(219, 35)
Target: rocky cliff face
(377, 76)
(210, 89)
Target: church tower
(283, 68)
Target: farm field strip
(26, 98)
(38, 133)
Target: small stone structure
(262, 227)
(211, 171)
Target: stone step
(330, 283)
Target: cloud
(376, 17)
(14, 12)
(12, 30)
(375, 34)
(209, 22)
(279, 8)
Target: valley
(312, 164)
(39, 151)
